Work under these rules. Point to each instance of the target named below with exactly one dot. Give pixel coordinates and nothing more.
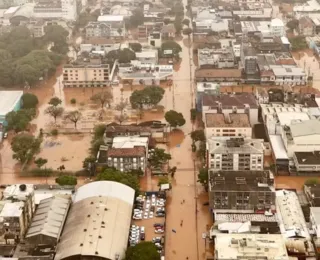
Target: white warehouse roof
(8, 100)
(98, 223)
(110, 18)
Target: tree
(5, 55)
(97, 139)
(166, 21)
(203, 177)
(88, 161)
(121, 106)
(67, 180)
(40, 162)
(121, 118)
(137, 99)
(171, 45)
(174, 118)
(126, 55)
(178, 26)
(119, 31)
(58, 35)
(187, 31)
(193, 114)
(29, 101)
(19, 120)
(74, 116)
(293, 24)
(54, 111)
(186, 22)
(198, 135)
(202, 151)
(172, 171)
(298, 43)
(142, 251)
(55, 101)
(311, 181)
(135, 46)
(159, 157)
(24, 147)
(128, 179)
(102, 98)
(153, 94)
(136, 19)
(163, 180)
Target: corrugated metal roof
(8, 100)
(49, 217)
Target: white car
(151, 214)
(142, 229)
(160, 203)
(156, 239)
(137, 217)
(137, 210)
(158, 231)
(146, 215)
(160, 209)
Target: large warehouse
(98, 223)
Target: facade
(307, 162)
(226, 104)
(233, 125)
(315, 220)
(290, 76)
(277, 27)
(98, 223)
(223, 76)
(203, 88)
(250, 246)
(147, 57)
(48, 221)
(105, 29)
(312, 192)
(155, 39)
(235, 154)
(241, 191)
(91, 73)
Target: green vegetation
(67, 180)
(135, 46)
(187, 31)
(40, 162)
(128, 179)
(25, 60)
(293, 24)
(186, 22)
(73, 101)
(193, 114)
(97, 139)
(54, 111)
(54, 132)
(202, 151)
(123, 56)
(203, 176)
(19, 120)
(163, 180)
(198, 135)
(142, 251)
(174, 118)
(171, 45)
(158, 158)
(102, 98)
(298, 43)
(311, 181)
(55, 101)
(29, 101)
(24, 147)
(136, 19)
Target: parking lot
(148, 222)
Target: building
(311, 9)
(290, 76)
(241, 192)
(9, 101)
(147, 57)
(37, 28)
(98, 223)
(213, 58)
(256, 27)
(233, 124)
(89, 72)
(125, 130)
(65, 9)
(209, 88)
(223, 76)
(126, 153)
(105, 29)
(315, 220)
(99, 45)
(155, 39)
(312, 192)
(226, 104)
(277, 28)
(250, 246)
(306, 26)
(235, 154)
(168, 31)
(307, 162)
(48, 221)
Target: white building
(233, 125)
(235, 154)
(250, 246)
(277, 28)
(311, 9)
(315, 220)
(290, 76)
(148, 57)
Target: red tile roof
(138, 151)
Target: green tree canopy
(5, 55)
(198, 135)
(186, 22)
(136, 19)
(29, 100)
(40, 162)
(311, 181)
(135, 46)
(171, 45)
(19, 120)
(293, 24)
(55, 101)
(24, 147)
(67, 180)
(128, 179)
(187, 31)
(174, 118)
(203, 176)
(149, 96)
(159, 157)
(163, 180)
(142, 251)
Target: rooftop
(110, 18)
(127, 128)
(292, 71)
(305, 128)
(11, 209)
(49, 218)
(308, 158)
(278, 147)
(137, 151)
(129, 141)
(231, 120)
(230, 101)
(231, 217)
(250, 246)
(8, 101)
(218, 73)
(18, 191)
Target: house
(306, 26)
(126, 153)
(292, 76)
(241, 192)
(154, 39)
(235, 103)
(203, 88)
(233, 124)
(235, 154)
(205, 41)
(216, 58)
(113, 131)
(223, 76)
(277, 27)
(97, 45)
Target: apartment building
(312, 192)
(250, 246)
(216, 58)
(126, 153)
(233, 125)
(226, 104)
(226, 77)
(307, 162)
(88, 72)
(241, 191)
(289, 76)
(235, 154)
(107, 29)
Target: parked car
(158, 231)
(136, 217)
(151, 214)
(156, 239)
(158, 225)
(143, 236)
(142, 229)
(160, 214)
(146, 215)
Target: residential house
(306, 26)
(235, 154)
(216, 58)
(307, 162)
(227, 104)
(290, 76)
(233, 125)
(241, 192)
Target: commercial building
(241, 191)
(226, 104)
(311, 9)
(48, 221)
(307, 162)
(235, 154)
(98, 223)
(250, 246)
(147, 57)
(277, 27)
(99, 45)
(89, 72)
(126, 153)
(233, 124)
(222, 76)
